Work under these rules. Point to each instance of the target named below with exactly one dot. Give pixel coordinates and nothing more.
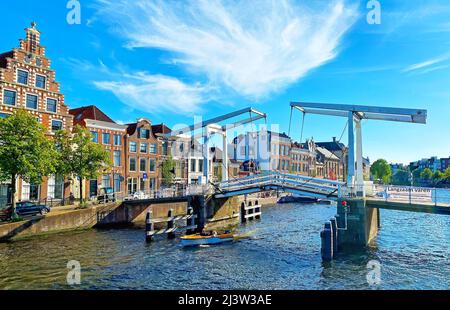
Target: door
(93, 188)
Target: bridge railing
(300, 182)
(412, 194)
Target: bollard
(190, 221)
(327, 243)
(170, 224)
(243, 213)
(148, 226)
(334, 229)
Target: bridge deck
(422, 207)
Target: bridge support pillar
(357, 224)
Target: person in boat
(205, 233)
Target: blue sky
(170, 60)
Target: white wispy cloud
(254, 48)
(151, 93)
(427, 63)
(156, 93)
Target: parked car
(5, 213)
(30, 208)
(137, 196)
(106, 195)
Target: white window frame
(3, 97)
(46, 104)
(56, 120)
(26, 101)
(17, 76)
(35, 81)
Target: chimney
(334, 139)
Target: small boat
(199, 239)
(296, 199)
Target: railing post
(410, 195)
(435, 196)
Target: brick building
(28, 82)
(144, 156)
(110, 135)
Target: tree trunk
(81, 190)
(13, 195)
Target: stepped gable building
(28, 82)
(110, 135)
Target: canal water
(283, 253)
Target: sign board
(405, 192)
(145, 176)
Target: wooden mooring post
(250, 212)
(171, 221)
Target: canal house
(28, 82)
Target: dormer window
(22, 77)
(144, 133)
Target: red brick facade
(28, 82)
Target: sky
(170, 61)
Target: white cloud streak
(152, 93)
(156, 93)
(427, 63)
(254, 48)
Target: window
(32, 102)
(55, 187)
(144, 148)
(200, 165)
(105, 181)
(152, 165)
(56, 125)
(117, 140)
(40, 81)
(132, 185)
(133, 147)
(153, 149)
(143, 165)
(22, 77)
(117, 158)
(9, 97)
(4, 115)
(165, 148)
(132, 164)
(106, 138)
(193, 162)
(51, 105)
(94, 136)
(142, 184)
(144, 133)
(116, 183)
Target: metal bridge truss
(295, 184)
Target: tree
(401, 177)
(167, 170)
(447, 174)
(26, 152)
(381, 170)
(80, 156)
(426, 174)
